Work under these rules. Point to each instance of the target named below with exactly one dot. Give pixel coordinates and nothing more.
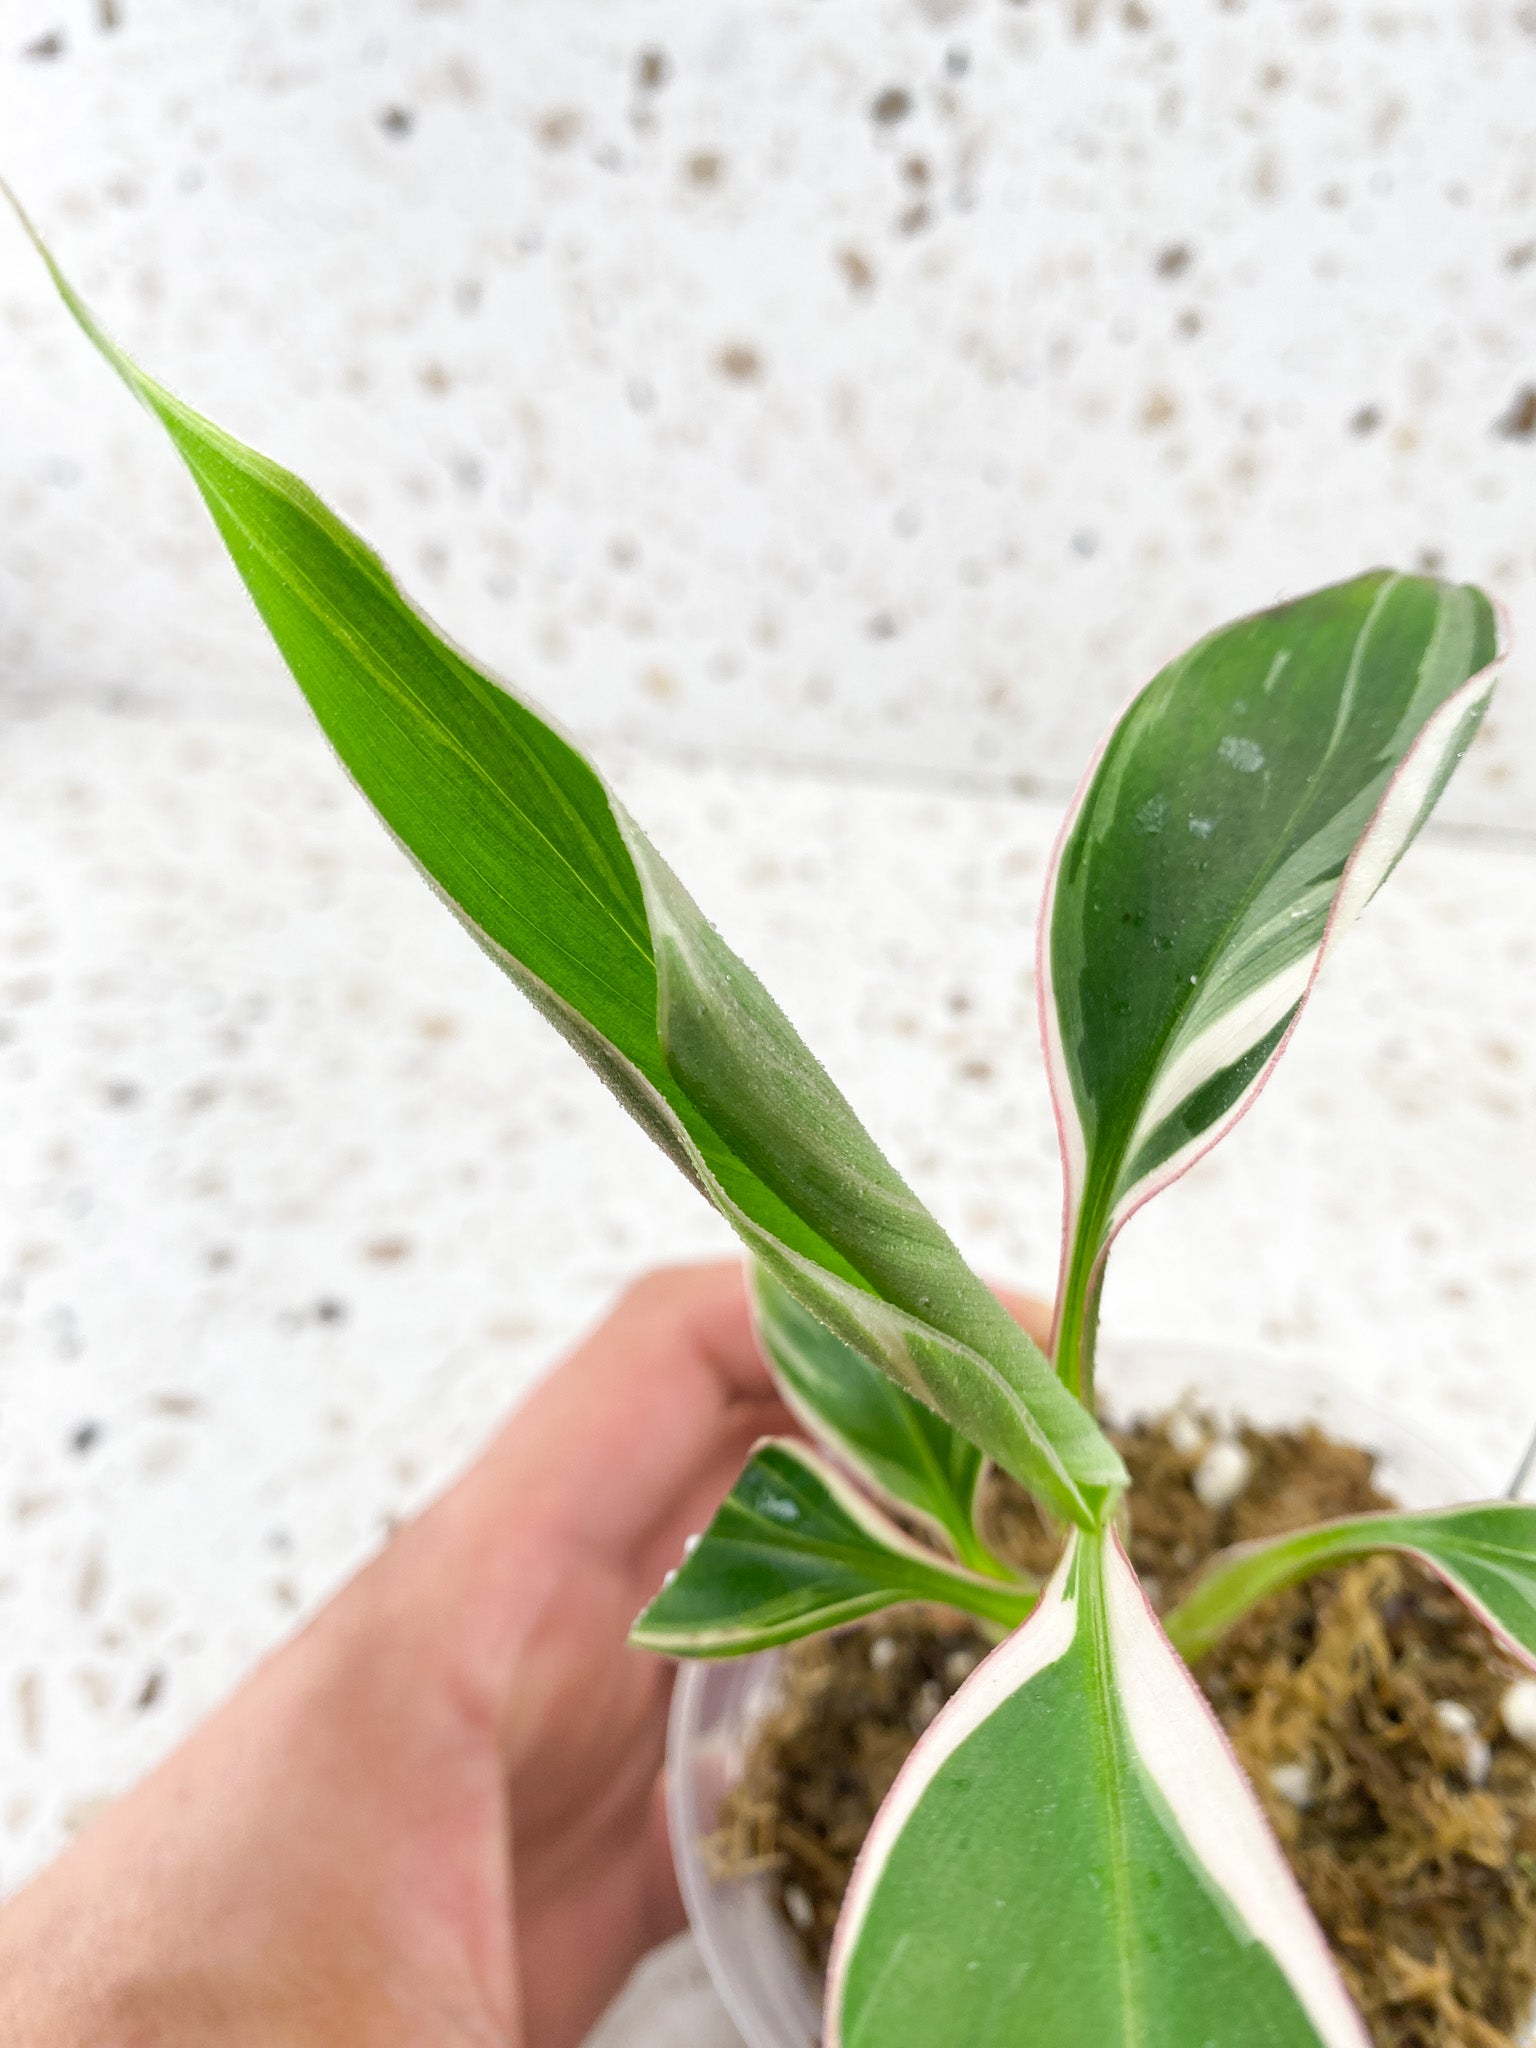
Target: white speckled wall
(831, 412)
(894, 382)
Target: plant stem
(977, 1556)
(1077, 1323)
(1237, 1579)
(1007, 1608)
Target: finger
(618, 1442)
(627, 1425)
(622, 1447)
(694, 1506)
(629, 1445)
(664, 1903)
(1030, 1310)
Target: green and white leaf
(797, 1548)
(548, 873)
(1242, 813)
(896, 1446)
(1072, 1855)
(1485, 1551)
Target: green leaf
(1243, 812)
(547, 872)
(796, 1548)
(1072, 1855)
(1486, 1552)
(895, 1445)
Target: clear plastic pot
(758, 1970)
(763, 1980)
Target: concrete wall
(886, 385)
(830, 412)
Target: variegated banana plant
(1071, 1855)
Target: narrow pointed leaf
(539, 861)
(1072, 1855)
(796, 1548)
(1242, 813)
(1485, 1551)
(893, 1444)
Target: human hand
(433, 1820)
(433, 1817)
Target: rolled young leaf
(548, 873)
(1072, 1855)
(893, 1444)
(795, 1548)
(1241, 814)
(1485, 1551)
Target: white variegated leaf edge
(882, 1532)
(1184, 1751)
(1042, 1641)
(1375, 853)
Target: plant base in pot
(1364, 1704)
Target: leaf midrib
(1112, 1776)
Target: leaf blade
(1485, 1551)
(1072, 1855)
(1241, 813)
(794, 1549)
(524, 843)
